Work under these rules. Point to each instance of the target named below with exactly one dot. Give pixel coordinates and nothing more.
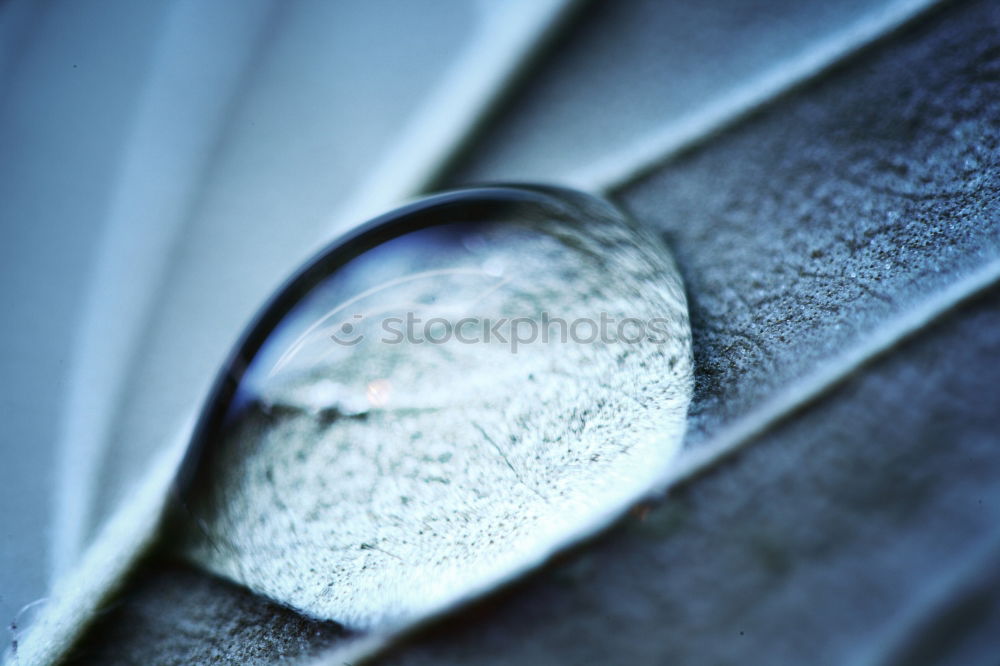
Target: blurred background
(165, 164)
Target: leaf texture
(800, 233)
(204, 620)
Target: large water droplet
(439, 403)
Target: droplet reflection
(435, 414)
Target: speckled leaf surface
(835, 210)
(857, 530)
(177, 615)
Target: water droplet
(426, 410)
